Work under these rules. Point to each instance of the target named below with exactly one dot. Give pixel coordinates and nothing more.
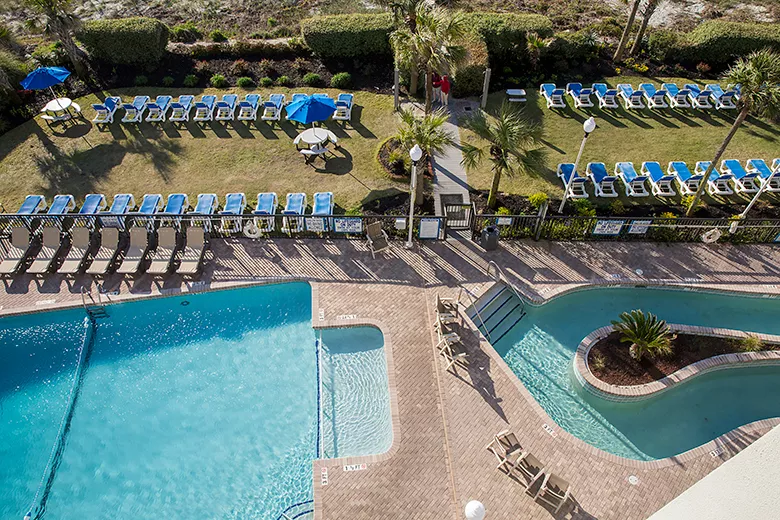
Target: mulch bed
(619, 368)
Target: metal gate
(459, 216)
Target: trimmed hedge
(505, 34)
(469, 75)
(717, 43)
(350, 35)
(237, 50)
(125, 41)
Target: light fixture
(589, 125)
(416, 152)
(474, 510)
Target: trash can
(489, 238)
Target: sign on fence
(608, 227)
(315, 224)
(429, 228)
(348, 224)
(504, 221)
(639, 227)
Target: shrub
(187, 32)
(569, 51)
(617, 207)
(300, 64)
(245, 82)
(350, 35)
(272, 22)
(168, 81)
(717, 42)
(597, 362)
(141, 81)
(259, 35)
(218, 36)
(126, 41)
(664, 44)
(750, 343)
(202, 67)
(537, 199)
(266, 81)
(703, 68)
(297, 45)
(190, 80)
(583, 207)
(646, 333)
(469, 75)
(218, 81)
(239, 67)
(283, 81)
(50, 54)
(311, 79)
(505, 34)
(12, 66)
(265, 66)
(342, 80)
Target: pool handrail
(500, 277)
(476, 310)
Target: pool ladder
(95, 309)
(499, 277)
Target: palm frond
(472, 155)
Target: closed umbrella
(45, 77)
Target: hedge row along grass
(346, 36)
(506, 33)
(717, 42)
(125, 41)
(469, 75)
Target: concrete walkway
(449, 176)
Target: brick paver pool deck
(442, 421)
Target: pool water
(540, 351)
(199, 406)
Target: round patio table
(316, 136)
(58, 105)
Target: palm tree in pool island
(511, 145)
(758, 75)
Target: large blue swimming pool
(198, 406)
(540, 350)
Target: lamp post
(741, 216)
(589, 126)
(416, 154)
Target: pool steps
(500, 310)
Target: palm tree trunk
(428, 89)
(626, 31)
(649, 10)
(414, 77)
(491, 202)
(419, 192)
(5, 86)
(72, 50)
(734, 127)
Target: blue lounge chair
(769, 178)
(580, 96)
(607, 96)
(603, 181)
(552, 95)
(104, 112)
(32, 204)
(298, 97)
(151, 204)
(662, 184)
(180, 110)
(272, 110)
(265, 211)
(226, 108)
(678, 98)
(636, 185)
(323, 205)
(61, 205)
(231, 220)
(723, 100)
(204, 109)
(175, 207)
(577, 188)
(296, 205)
(134, 112)
(120, 207)
(698, 98)
(206, 205)
(93, 203)
(632, 99)
(247, 108)
(321, 95)
(655, 98)
(689, 182)
(732, 170)
(343, 108)
(158, 110)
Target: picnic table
(316, 137)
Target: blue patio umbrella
(45, 77)
(311, 109)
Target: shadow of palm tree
(160, 153)
(65, 172)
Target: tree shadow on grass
(337, 163)
(160, 153)
(357, 116)
(77, 172)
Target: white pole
(571, 178)
(412, 190)
(397, 89)
(485, 88)
(754, 200)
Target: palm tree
(534, 45)
(626, 31)
(646, 333)
(62, 23)
(758, 76)
(429, 134)
(404, 15)
(433, 47)
(650, 8)
(511, 145)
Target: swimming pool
(197, 406)
(540, 350)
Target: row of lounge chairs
(449, 343)
(751, 178)
(207, 108)
(669, 95)
(516, 461)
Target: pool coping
(715, 447)
(630, 393)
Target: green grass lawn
(81, 159)
(637, 136)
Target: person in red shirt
(436, 82)
(445, 90)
